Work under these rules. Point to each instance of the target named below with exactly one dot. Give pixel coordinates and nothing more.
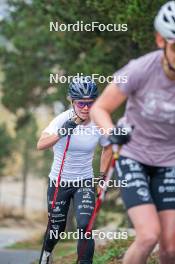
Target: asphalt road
(9, 236)
(9, 256)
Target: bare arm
(106, 157)
(110, 99)
(46, 141)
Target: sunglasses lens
(89, 104)
(81, 104)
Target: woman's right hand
(47, 141)
(67, 128)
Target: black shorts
(146, 184)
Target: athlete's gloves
(67, 128)
(120, 135)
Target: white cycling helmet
(164, 22)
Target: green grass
(65, 252)
(112, 253)
(28, 244)
(64, 248)
(113, 250)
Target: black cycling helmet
(82, 88)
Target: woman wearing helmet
(164, 24)
(148, 161)
(76, 177)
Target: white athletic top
(78, 161)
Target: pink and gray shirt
(151, 109)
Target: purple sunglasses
(82, 104)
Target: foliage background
(29, 52)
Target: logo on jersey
(157, 108)
(144, 194)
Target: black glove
(67, 128)
(119, 136)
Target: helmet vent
(169, 8)
(165, 19)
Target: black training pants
(84, 202)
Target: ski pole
(55, 195)
(100, 199)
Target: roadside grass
(34, 244)
(113, 253)
(65, 252)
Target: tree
(5, 146)
(37, 51)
